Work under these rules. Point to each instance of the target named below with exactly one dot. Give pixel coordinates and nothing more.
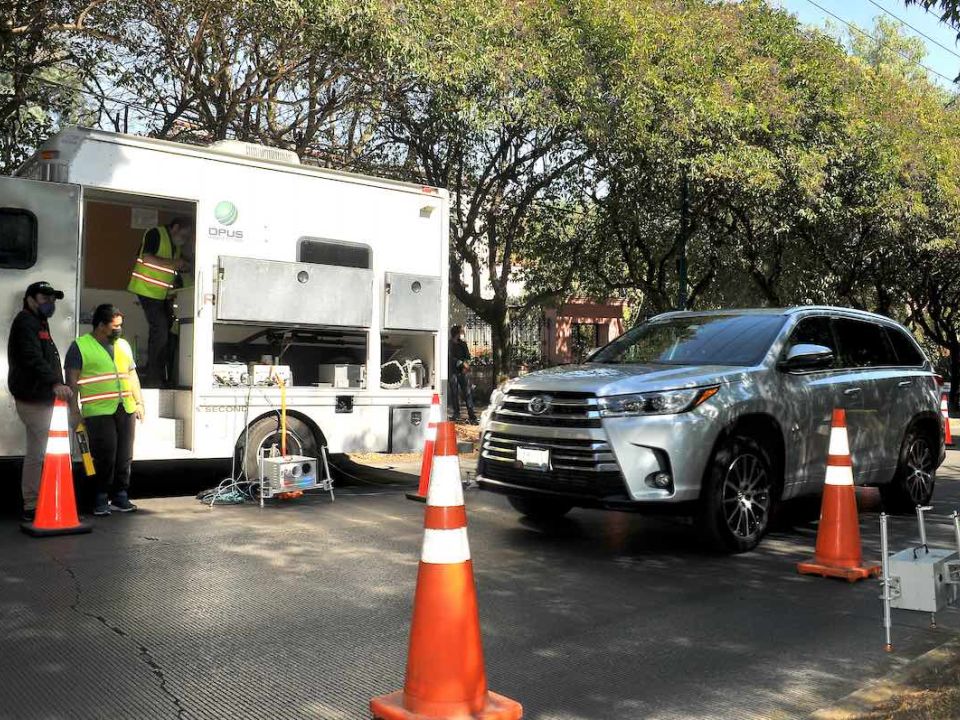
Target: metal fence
(528, 341)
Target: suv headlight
(497, 396)
(668, 402)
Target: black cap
(42, 288)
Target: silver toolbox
(923, 578)
(408, 428)
(287, 474)
(271, 292)
(341, 375)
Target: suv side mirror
(807, 357)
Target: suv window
(907, 351)
(863, 344)
(696, 340)
(814, 331)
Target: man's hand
(140, 412)
(62, 392)
(181, 264)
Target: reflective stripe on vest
(152, 280)
(104, 381)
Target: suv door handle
(852, 391)
(905, 383)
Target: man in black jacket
(458, 365)
(35, 378)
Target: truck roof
(75, 135)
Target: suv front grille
(586, 467)
(560, 409)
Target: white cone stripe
(59, 419)
(432, 433)
(839, 444)
(434, 416)
(446, 488)
(839, 475)
(58, 446)
(445, 547)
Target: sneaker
(27, 516)
(122, 503)
(101, 509)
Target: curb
(881, 690)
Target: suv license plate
(534, 458)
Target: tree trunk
(500, 345)
(954, 375)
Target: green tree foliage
(47, 50)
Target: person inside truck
(155, 276)
(107, 397)
(35, 379)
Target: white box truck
(293, 266)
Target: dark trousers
(111, 444)
(159, 319)
(460, 382)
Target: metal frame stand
(892, 588)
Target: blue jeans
(459, 382)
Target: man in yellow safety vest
(106, 393)
(154, 278)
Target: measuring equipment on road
(920, 578)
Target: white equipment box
(341, 376)
(267, 374)
(924, 579)
(287, 473)
(230, 374)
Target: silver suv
(719, 415)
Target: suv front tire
(739, 495)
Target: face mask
(115, 334)
(46, 309)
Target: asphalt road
(302, 610)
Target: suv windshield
(696, 340)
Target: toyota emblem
(539, 405)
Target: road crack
(143, 652)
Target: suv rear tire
(540, 508)
(913, 482)
(739, 495)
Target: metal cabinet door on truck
(39, 240)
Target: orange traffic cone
(838, 552)
(945, 411)
(57, 506)
(445, 671)
(427, 463)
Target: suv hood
(606, 380)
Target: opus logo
(225, 214)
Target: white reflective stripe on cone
(839, 444)
(58, 446)
(839, 475)
(434, 416)
(432, 433)
(59, 419)
(445, 547)
(446, 487)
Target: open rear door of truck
(39, 240)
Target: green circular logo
(225, 212)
